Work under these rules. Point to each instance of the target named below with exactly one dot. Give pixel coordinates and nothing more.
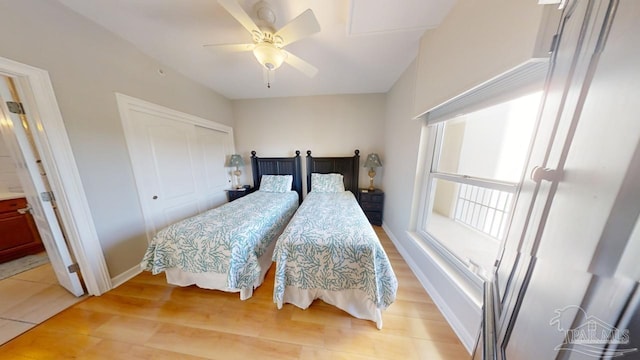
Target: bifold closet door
(178, 165)
(214, 146)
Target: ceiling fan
(268, 44)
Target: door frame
(34, 182)
(50, 136)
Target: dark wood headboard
(278, 166)
(347, 166)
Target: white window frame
(516, 82)
(431, 173)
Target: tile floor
(29, 298)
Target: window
(474, 174)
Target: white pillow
(327, 182)
(276, 183)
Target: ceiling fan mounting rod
(264, 13)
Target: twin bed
(230, 247)
(327, 250)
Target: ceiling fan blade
(300, 65)
(302, 26)
(234, 8)
(230, 47)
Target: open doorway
(42, 116)
(33, 285)
(40, 203)
(21, 247)
(39, 102)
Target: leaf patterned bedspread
(330, 245)
(228, 239)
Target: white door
(214, 146)
(178, 165)
(582, 220)
(168, 170)
(26, 157)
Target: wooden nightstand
(233, 194)
(372, 203)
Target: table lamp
(372, 162)
(236, 160)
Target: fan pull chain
(269, 77)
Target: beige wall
(87, 66)
(478, 40)
(333, 125)
(401, 142)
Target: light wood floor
(29, 298)
(147, 319)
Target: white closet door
(169, 171)
(178, 161)
(214, 146)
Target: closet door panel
(214, 147)
(168, 171)
(178, 161)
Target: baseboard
(467, 339)
(125, 276)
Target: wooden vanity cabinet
(18, 233)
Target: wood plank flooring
(147, 319)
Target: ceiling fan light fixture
(268, 44)
(269, 56)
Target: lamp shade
(269, 55)
(373, 161)
(235, 160)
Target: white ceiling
(363, 45)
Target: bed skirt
(218, 281)
(349, 301)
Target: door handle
(24, 210)
(539, 173)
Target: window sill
(468, 281)
(472, 247)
